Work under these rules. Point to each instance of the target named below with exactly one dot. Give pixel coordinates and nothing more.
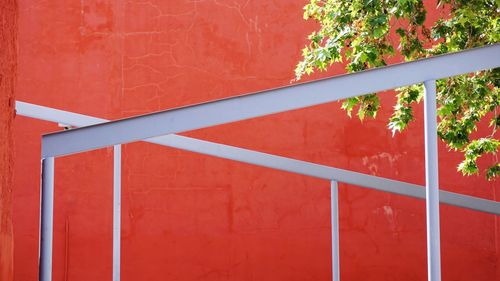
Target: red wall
(8, 78)
(193, 217)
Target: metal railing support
(432, 183)
(270, 161)
(268, 102)
(159, 128)
(334, 198)
(46, 219)
(117, 158)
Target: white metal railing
(159, 128)
(268, 160)
(268, 102)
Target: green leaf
(378, 32)
(357, 32)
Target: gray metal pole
(117, 157)
(46, 219)
(432, 183)
(334, 195)
(268, 102)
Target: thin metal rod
(268, 102)
(432, 183)
(46, 219)
(270, 161)
(334, 207)
(117, 158)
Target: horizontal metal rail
(271, 161)
(269, 102)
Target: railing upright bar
(46, 219)
(117, 155)
(432, 183)
(334, 198)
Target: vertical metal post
(117, 155)
(46, 219)
(334, 207)
(432, 183)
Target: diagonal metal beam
(269, 102)
(271, 161)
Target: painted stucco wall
(193, 217)
(8, 78)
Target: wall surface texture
(8, 72)
(193, 217)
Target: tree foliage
(366, 33)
